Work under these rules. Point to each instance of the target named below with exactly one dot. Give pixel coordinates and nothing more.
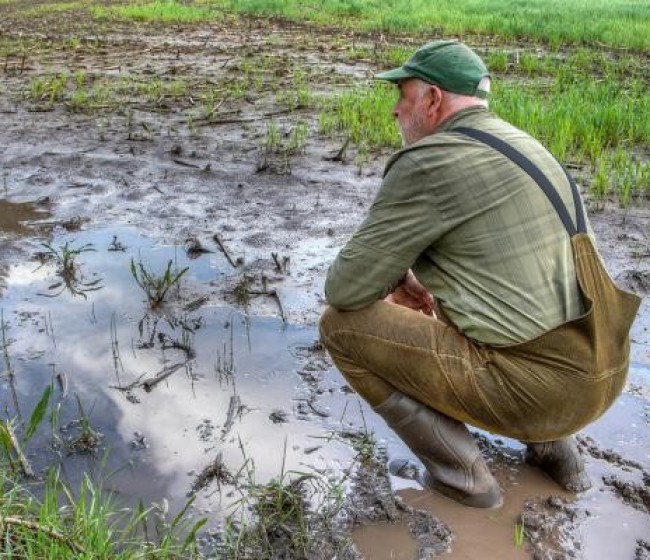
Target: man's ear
(434, 99)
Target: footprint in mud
(635, 494)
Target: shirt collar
(450, 122)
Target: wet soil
(229, 371)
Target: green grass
(590, 108)
(84, 523)
(364, 115)
(53, 8)
(84, 93)
(519, 533)
(154, 285)
(294, 515)
(624, 23)
(280, 145)
(164, 11)
(47, 518)
(577, 119)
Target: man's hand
(410, 293)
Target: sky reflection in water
(109, 338)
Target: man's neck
(453, 113)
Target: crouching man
(472, 292)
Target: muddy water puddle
(168, 391)
(172, 391)
(597, 526)
(15, 217)
(605, 523)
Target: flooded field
(223, 383)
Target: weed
(364, 115)
(519, 532)
(78, 99)
(38, 413)
(11, 445)
(272, 137)
(87, 439)
(531, 63)
(50, 89)
(297, 138)
(363, 442)
(116, 245)
(159, 10)
(65, 258)
(54, 7)
(361, 159)
(279, 146)
(9, 371)
(115, 349)
(155, 286)
(291, 516)
(224, 367)
(497, 61)
(297, 95)
(85, 523)
(600, 182)
(242, 290)
(216, 470)
(80, 79)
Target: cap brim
(394, 75)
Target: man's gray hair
(455, 98)
(484, 84)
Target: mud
(643, 551)
(229, 372)
(634, 494)
(377, 511)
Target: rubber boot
(562, 461)
(453, 462)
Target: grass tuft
(85, 523)
(156, 286)
(611, 22)
(163, 11)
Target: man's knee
(337, 328)
(330, 322)
(333, 321)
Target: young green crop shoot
(156, 287)
(519, 533)
(65, 258)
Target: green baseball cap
(449, 64)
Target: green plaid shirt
(475, 228)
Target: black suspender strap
(577, 203)
(536, 174)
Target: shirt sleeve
(402, 222)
